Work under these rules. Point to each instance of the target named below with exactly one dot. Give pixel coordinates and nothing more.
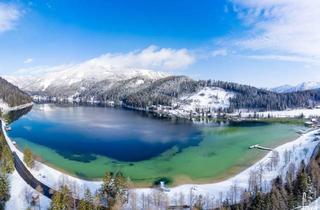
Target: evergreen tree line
(111, 196)
(162, 92)
(140, 92)
(296, 190)
(7, 167)
(248, 97)
(165, 91)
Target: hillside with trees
(248, 97)
(297, 189)
(142, 92)
(12, 95)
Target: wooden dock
(257, 146)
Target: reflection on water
(79, 133)
(15, 115)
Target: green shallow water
(222, 152)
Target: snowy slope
(211, 98)
(299, 87)
(315, 205)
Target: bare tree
(275, 159)
(234, 192)
(260, 174)
(253, 182)
(181, 201)
(28, 195)
(133, 200)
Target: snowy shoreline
(291, 113)
(6, 108)
(302, 149)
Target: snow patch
(18, 191)
(211, 98)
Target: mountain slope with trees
(145, 91)
(12, 95)
(248, 97)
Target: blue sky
(262, 43)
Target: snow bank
(4, 107)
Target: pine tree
(62, 199)
(87, 202)
(4, 191)
(114, 189)
(7, 165)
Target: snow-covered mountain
(73, 79)
(300, 87)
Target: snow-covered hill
(300, 87)
(208, 98)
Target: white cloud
(9, 14)
(290, 58)
(219, 52)
(40, 70)
(151, 57)
(287, 27)
(28, 60)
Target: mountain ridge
(295, 88)
(146, 89)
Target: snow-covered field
(206, 99)
(300, 149)
(211, 98)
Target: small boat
(8, 128)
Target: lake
(86, 141)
